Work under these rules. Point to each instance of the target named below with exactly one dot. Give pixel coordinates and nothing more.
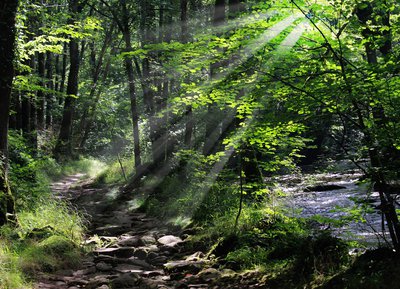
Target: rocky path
(132, 250)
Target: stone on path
(121, 252)
(128, 268)
(148, 240)
(169, 240)
(127, 280)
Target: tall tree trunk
(8, 9)
(96, 62)
(376, 155)
(50, 87)
(213, 122)
(124, 26)
(32, 135)
(189, 123)
(41, 102)
(148, 36)
(64, 142)
(63, 72)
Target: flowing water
(327, 209)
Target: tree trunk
(64, 142)
(50, 86)
(8, 10)
(376, 155)
(213, 122)
(41, 102)
(96, 63)
(124, 26)
(189, 123)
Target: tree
(354, 86)
(8, 9)
(64, 142)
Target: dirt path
(136, 251)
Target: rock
(108, 239)
(150, 274)
(147, 240)
(169, 240)
(323, 188)
(110, 230)
(168, 250)
(196, 286)
(87, 271)
(153, 248)
(228, 272)
(60, 284)
(132, 241)
(140, 263)
(77, 282)
(209, 274)
(121, 252)
(195, 256)
(150, 284)
(67, 272)
(152, 256)
(102, 266)
(104, 287)
(96, 282)
(140, 253)
(128, 268)
(137, 216)
(127, 280)
(158, 260)
(107, 259)
(184, 266)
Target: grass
(89, 166)
(113, 173)
(48, 238)
(50, 231)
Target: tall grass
(50, 231)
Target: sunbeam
(163, 171)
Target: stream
(328, 200)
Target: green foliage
(50, 231)
(113, 173)
(47, 239)
(50, 254)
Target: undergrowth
(285, 249)
(50, 230)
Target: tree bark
(376, 152)
(124, 26)
(64, 142)
(50, 86)
(213, 122)
(8, 10)
(41, 102)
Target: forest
(199, 144)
